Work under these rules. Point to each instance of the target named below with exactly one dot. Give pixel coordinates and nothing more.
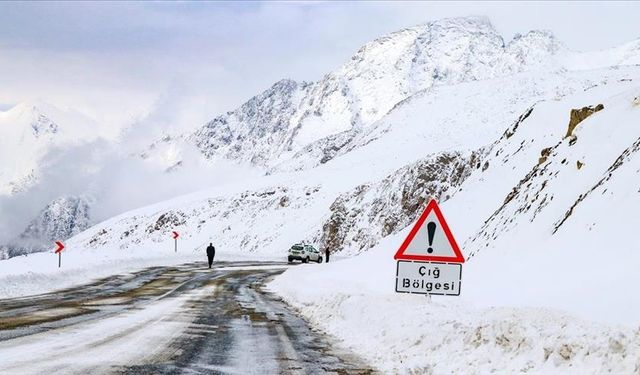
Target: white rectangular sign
(428, 278)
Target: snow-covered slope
(446, 124)
(27, 132)
(547, 227)
(376, 188)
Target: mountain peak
(33, 114)
(469, 22)
(539, 39)
(31, 108)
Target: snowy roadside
(39, 273)
(354, 301)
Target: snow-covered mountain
(289, 119)
(59, 220)
(28, 131)
(402, 105)
(430, 146)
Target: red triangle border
(432, 206)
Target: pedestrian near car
(326, 255)
(211, 252)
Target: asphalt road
(167, 320)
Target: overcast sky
(191, 61)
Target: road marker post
(175, 239)
(429, 260)
(58, 251)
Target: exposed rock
(334, 231)
(579, 164)
(42, 125)
(579, 115)
(512, 194)
(512, 130)
(360, 218)
(284, 201)
(572, 140)
(168, 221)
(544, 154)
(565, 352)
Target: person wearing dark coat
(211, 252)
(326, 254)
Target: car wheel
(319, 259)
(290, 260)
(305, 260)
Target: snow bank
(354, 300)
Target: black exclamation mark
(431, 230)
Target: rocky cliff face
(579, 115)
(255, 132)
(361, 217)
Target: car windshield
(297, 247)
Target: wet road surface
(167, 320)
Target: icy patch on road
(250, 345)
(253, 268)
(130, 338)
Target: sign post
(59, 252)
(429, 259)
(175, 239)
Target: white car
(305, 253)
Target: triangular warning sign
(430, 239)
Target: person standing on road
(326, 254)
(211, 252)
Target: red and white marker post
(59, 252)
(175, 238)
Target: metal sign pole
(60, 246)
